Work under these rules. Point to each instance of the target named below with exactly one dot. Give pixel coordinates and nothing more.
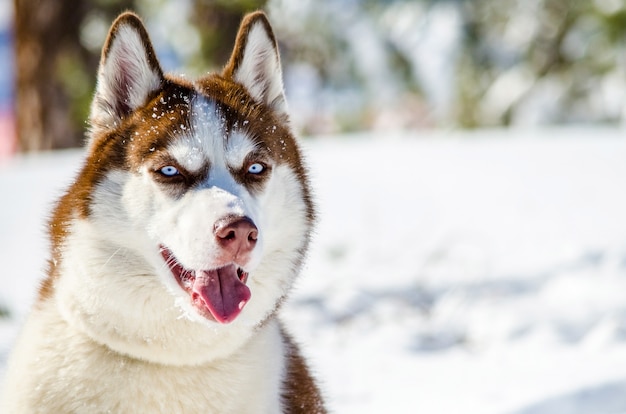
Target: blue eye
(256, 168)
(169, 171)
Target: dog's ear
(128, 74)
(255, 62)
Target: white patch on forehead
(204, 140)
(207, 140)
(207, 121)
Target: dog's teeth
(242, 304)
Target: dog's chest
(80, 376)
(232, 386)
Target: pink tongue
(222, 292)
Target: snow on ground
(478, 272)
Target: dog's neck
(100, 297)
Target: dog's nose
(237, 235)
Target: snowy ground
(468, 272)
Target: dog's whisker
(110, 257)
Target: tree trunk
(43, 29)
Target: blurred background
(350, 65)
(469, 164)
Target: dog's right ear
(129, 73)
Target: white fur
(193, 147)
(238, 146)
(101, 381)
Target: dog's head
(192, 188)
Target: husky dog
(175, 246)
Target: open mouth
(218, 294)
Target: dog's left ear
(255, 63)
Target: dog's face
(202, 182)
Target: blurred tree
(348, 64)
(541, 62)
(41, 29)
(218, 21)
(50, 60)
(460, 63)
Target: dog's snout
(237, 235)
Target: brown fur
(300, 393)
